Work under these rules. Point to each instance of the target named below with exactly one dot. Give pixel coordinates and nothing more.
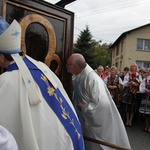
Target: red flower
(149, 82)
(133, 75)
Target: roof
(63, 3)
(125, 33)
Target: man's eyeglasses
(67, 64)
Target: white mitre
(10, 43)
(7, 141)
(10, 37)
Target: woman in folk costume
(34, 106)
(114, 84)
(100, 72)
(125, 71)
(145, 103)
(131, 84)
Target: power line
(97, 4)
(115, 6)
(110, 34)
(94, 36)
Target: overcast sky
(108, 19)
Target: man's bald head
(76, 60)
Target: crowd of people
(130, 90)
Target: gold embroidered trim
(65, 115)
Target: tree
(102, 55)
(85, 46)
(95, 52)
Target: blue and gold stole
(57, 103)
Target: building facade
(132, 46)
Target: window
(117, 50)
(122, 46)
(116, 64)
(120, 64)
(144, 64)
(113, 52)
(143, 44)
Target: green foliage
(85, 46)
(94, 51)
(102, 55)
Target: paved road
(139, 140)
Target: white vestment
(7, 141)
(33, 127)
(102, 119)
